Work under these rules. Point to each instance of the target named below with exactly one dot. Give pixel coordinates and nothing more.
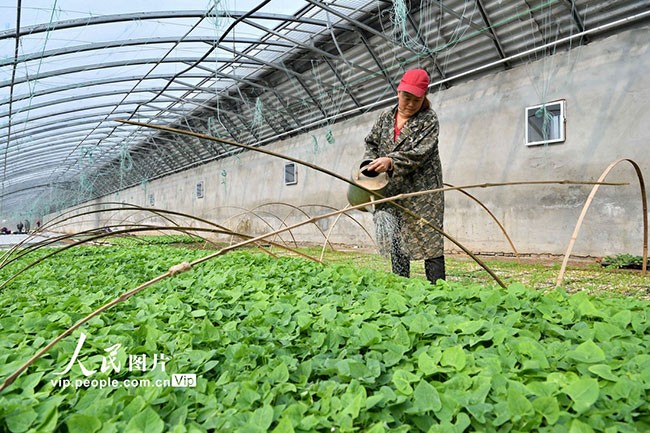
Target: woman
(404, 143)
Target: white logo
(111, 363)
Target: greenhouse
(324, 216)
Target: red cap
(415, 81)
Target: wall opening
(545, 123)
(290, 173)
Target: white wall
(606, 87)
(607, 91)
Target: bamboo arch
(494, 218)
(594, 190)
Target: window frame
(559, 124)
(290, 168)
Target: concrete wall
(606, 88)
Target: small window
(290, 173)
(199, 189)
(152, 200)
(545, 123)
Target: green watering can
(371, 180)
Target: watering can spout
(372, 181)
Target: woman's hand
(380, 165)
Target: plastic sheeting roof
(248, 71)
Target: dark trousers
(434, 268)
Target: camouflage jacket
(416, 167)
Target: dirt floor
(538, 271)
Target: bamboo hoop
(331, 229)
(297, 209)
(594, 190)
(496, 220)
(70, 215)
(245, 211)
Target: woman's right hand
(380, 165)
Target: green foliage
(282, 345)
(623, 261)
(168, 239)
